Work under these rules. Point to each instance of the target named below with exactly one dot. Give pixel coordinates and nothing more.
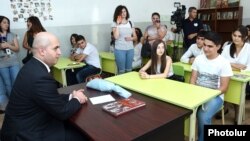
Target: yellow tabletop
(238, 76)
(59, 69)
(107, 55)
(178, 93)
(66, 63)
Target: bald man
(36, 112)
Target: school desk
(157, 121)
(60, 68)
(108, 62)
(181, 94)
(236, 90)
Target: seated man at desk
(195, 49)
(213, 71)
(88, 54)
(36, 111)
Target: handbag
(146, 49)
(27, 57)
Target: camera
(178, 16)
(2, 40)
(158, 21)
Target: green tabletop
(107, 55)
(66, 63)
(178, 93)
(243, 76)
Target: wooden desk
(60, 68)
(157, 121)
(236, 90)
(178, 93)
(108, 62)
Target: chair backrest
(178, 70)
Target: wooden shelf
(222, 20)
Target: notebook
(123, 106)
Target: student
(124, 34)
(73, 43)
(238, 54)
(238, 51)
(34, 26)
(195, 49)
(213, 71)
(156, 31)
(137, 60)
(36, 111)
(88, 54)
(9, 64)
(160, 65)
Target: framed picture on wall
(204, 4)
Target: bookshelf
(222, 20)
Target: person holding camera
(156, 30)
(9, 64)
(191, 26)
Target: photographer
(191, 26)
(156, 30)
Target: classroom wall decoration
(22, 9)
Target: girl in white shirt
(160, 64)
(238, 52)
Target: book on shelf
(218, 15)
(236, 14)
(123, 106)
(230, 15)
(223, 15)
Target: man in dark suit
(36, 111)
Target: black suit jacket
(36, 111)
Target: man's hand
(79, 95)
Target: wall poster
(22, 9)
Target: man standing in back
(36, 112)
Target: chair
(222, 115)
(179, 73)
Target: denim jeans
(86, 71)
(205, 114)
(124, 59)
(7, 78)
(3, 96)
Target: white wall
(93, 18)
(84, 12)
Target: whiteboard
(87, 12)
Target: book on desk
(123, 106)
